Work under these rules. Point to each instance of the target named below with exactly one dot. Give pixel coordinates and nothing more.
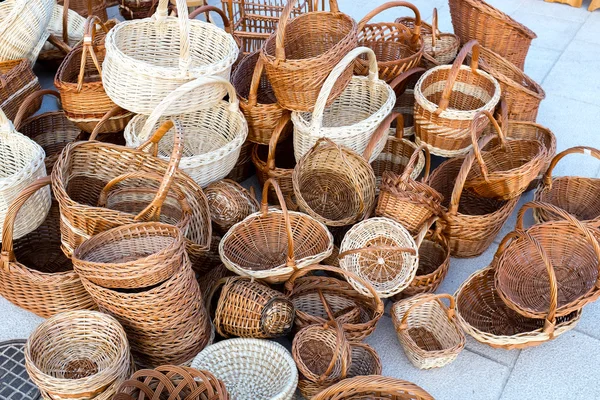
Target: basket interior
(516, 155)
(578, 196)
(523, 131)
(284, 152)
(388, 42)
(429, 327)
(364, 362)
(69, 71)
(135, 200)
(242, 80)
(330, 194)
(314, 347)
(431, 257)
(345, 309)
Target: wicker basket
(86, 8)
(23, 25)
(17, 82)
(35, 273)
(383, 253)
(475, 19)
(302, 52)
(506, 170)
(373, 387)
(427, 330)
(265, 246)
(353, 117)
(578, 196)
(66, 30)
(244, 168)
(484, 316)
(137, 9)
(316, 296)
(404, 86)
(150, 58)
(406, 200)
(214, 136)
(558, 257)
(229, 203)
(170, 380)
(251, 309)
(78, 80)
(447, 99)
(251, 368)
(440, 48)
(78, 355)
(334, 184)
(397, 47)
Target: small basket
(406, 200)
(447, 98)
(17, 82)
(137, 9)
(78, 355)
(66, 29)
(251, 309)
(427, 330)
(265, 246)
(170, 380)
(333, 184)
(229, 203)
(440, 48)
(383, 253)
(251, 368)
(301, 53)
(373, 387)
(561, 257)
(577, 195)
(85, 8)
(396, 47)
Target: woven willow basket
(17, 82)
(229, 203)
(251, 368)
(85, 8)
(66, 29)
(440, 48)
(137, 9)
(373, 387)
(352, 118)
(213, 138)
(148, 59)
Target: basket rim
(28, 169)
(501, 16)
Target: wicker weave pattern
(229, 203)
(373, 387)
(137, 9)
(17, 81)
(85, 8)
(440, 48)
(67, 28)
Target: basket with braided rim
(440, 48)
(373, 387)
(17, 82)
(229, 204)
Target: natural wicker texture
(23, 26)
(472, 222)
(229, 203)
(52, 130)
(273, 243)
(396, 47)
(333, 184)
(551, 265)
(373, 387)
(427, 330)
(35, 273)
(446, 101)
(66, 29)
(483, 315)
(404, 86)
(251, 309)
(383, 253)
(17, 81)
(150, 58)
(317, 296)
(506, 170)
(302, 52)
(213, 137)
(167, 381)
(243, 168)
(137, 9)
(440, 48)
(251, 368)
(85, 8)
(78, 355)
(578, 196)
(353, 117)
(406, 200)
(476, 19)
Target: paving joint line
(510, 372)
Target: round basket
(427, 330)
(557, 261)
(148, 59)
(333, 184)
(353, 117)
(214, 136)
(440, 48)
(17, 82)
(383, 253)
(373, 387)
(301, 53)
(78, 355)
(447, 98)
(397, 47)
(265, 246)
(229, 204)
(578, 196)
(251, 368)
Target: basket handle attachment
(547, 181)
(264, 209)
(412, 163)
(113, 112)
(483, 168)
(450, 311)
(7, 256)
(88, 47)
(415, 35)
(434, 28)
(162, 12)
(281, 124)
(427, 230)
(255, 83)
(460, 58)
(21, 112)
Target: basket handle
(397, 81)
(254, 84)
(426, 229)
(281, 124)
(450, 311)
(453, 74)
(503, 114)
(474, 137)
(88, 46)
(162, 12)
(382, 130)
(264, 208)
(434, 28)
(316, 122)
(417, 31)
(183, 90)
(590, 151)
(206, 9)
(362, 250)
(340, 341)
(412, 163)
(20, 117)
(116, 110)
(7, 256)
